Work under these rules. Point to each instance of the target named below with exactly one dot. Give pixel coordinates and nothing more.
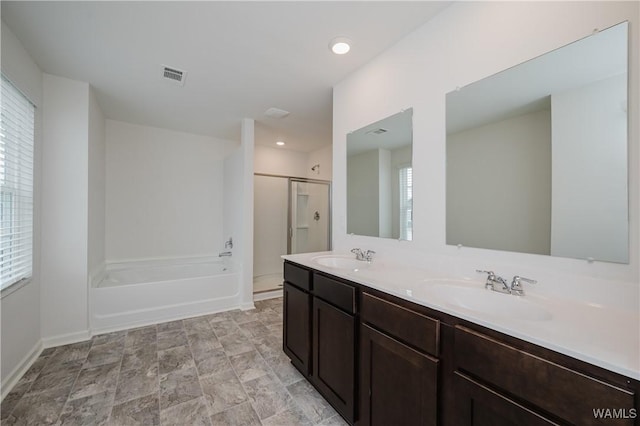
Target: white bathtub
(138, 293)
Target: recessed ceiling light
(340, 45)
(280, 143)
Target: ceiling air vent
(276, 113)
(174, 75)
(378, 131)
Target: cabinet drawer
(298, 276)
(480, 406)
(408, 326)
(340, 295)
(568, 394)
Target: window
(16, 183)
(406, 203)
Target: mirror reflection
(537, 154)
(379, 178)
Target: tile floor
(221, 369)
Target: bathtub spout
(225, 254)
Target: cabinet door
(528, 377)
(481, 406)
(334, 356)
(297, 327)
(398, 385)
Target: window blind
(17, 122)
(406, 203)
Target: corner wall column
(247, 142)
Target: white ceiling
(241, 58)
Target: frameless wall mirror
(537, 154)
(379, 178)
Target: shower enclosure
(291, 215)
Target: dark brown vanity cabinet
(320, 328)
(480, 405)
(497, 383)
(398, 365)
(334, 343)
(297, 317)
(382, 360)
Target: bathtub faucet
(225, 254)
(229, 243)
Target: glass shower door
(271, 227)
(309, 216)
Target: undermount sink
(341, 262)
(481, 300)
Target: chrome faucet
(499, 284)
(516, 285)
(364, 256)
(225, 254)
(229, 243)
(495, 282)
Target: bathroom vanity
(397, 344)
(384, 348)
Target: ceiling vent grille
(276, 113)
(378, 131)
(174, 75)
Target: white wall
(19, 67)
(163, 193)
(499, 185)
(467, 42)
(238, 209)
(20, 310)
(247, 145)
(96, 169)
(286, 162)
(65, 209)
(233, 167)
(323, 157)
(276, 161)
(589, 176)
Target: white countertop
(606, 336)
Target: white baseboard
(66, 339)
(264, 295)
(247, 306)
(10, 380)
(143, 317)
(121, 327)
